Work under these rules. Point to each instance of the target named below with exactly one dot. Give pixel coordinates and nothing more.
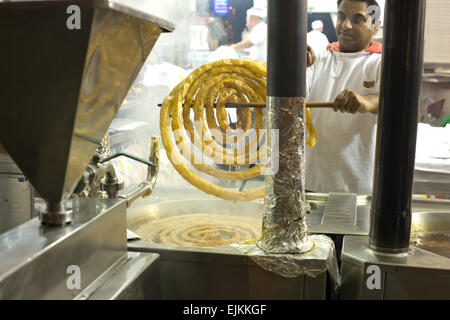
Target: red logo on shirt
(369, 84)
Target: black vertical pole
(390, 219)
(286, 48)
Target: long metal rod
(263, 105)
(390, 217)
(234, 105)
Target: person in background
(219, 40)
(219, 33)
(257, 39)
(348, 74)
(316, 39)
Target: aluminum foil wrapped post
(284, 228)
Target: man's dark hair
(369, 3)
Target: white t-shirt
(343, 158)
(222, 52)
(258, 36)
(317, 41)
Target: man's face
(354, 26)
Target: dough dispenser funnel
(66, 68)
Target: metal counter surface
(417, 274)
(37, 261)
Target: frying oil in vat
(204, 230)
(438, 243)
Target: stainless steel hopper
(62, 81)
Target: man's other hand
(352, 102)
(310, 56)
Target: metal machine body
(16, 195)
(42, 262)
(67, 67)
(416, 274)
(217, 273)
(421, 273)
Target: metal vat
(222, 272)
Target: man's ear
(376, 27)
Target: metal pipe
(111, 185)
(145, 188)
(390, 217)
(124, 154)
(284, 226)
(286, 48)
(263, 105)
(56, 214)
(136, 191)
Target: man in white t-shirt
(316, 39)
(348, 73)
(257, 40)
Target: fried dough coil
(228, 80)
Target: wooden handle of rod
(319, 104)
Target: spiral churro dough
(228, 80)
(202, 230)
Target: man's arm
(352, 102)
(310, 56)
(242, 45)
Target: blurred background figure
(257, 38)
(219, 33)
(316, 39)
(220, 38)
